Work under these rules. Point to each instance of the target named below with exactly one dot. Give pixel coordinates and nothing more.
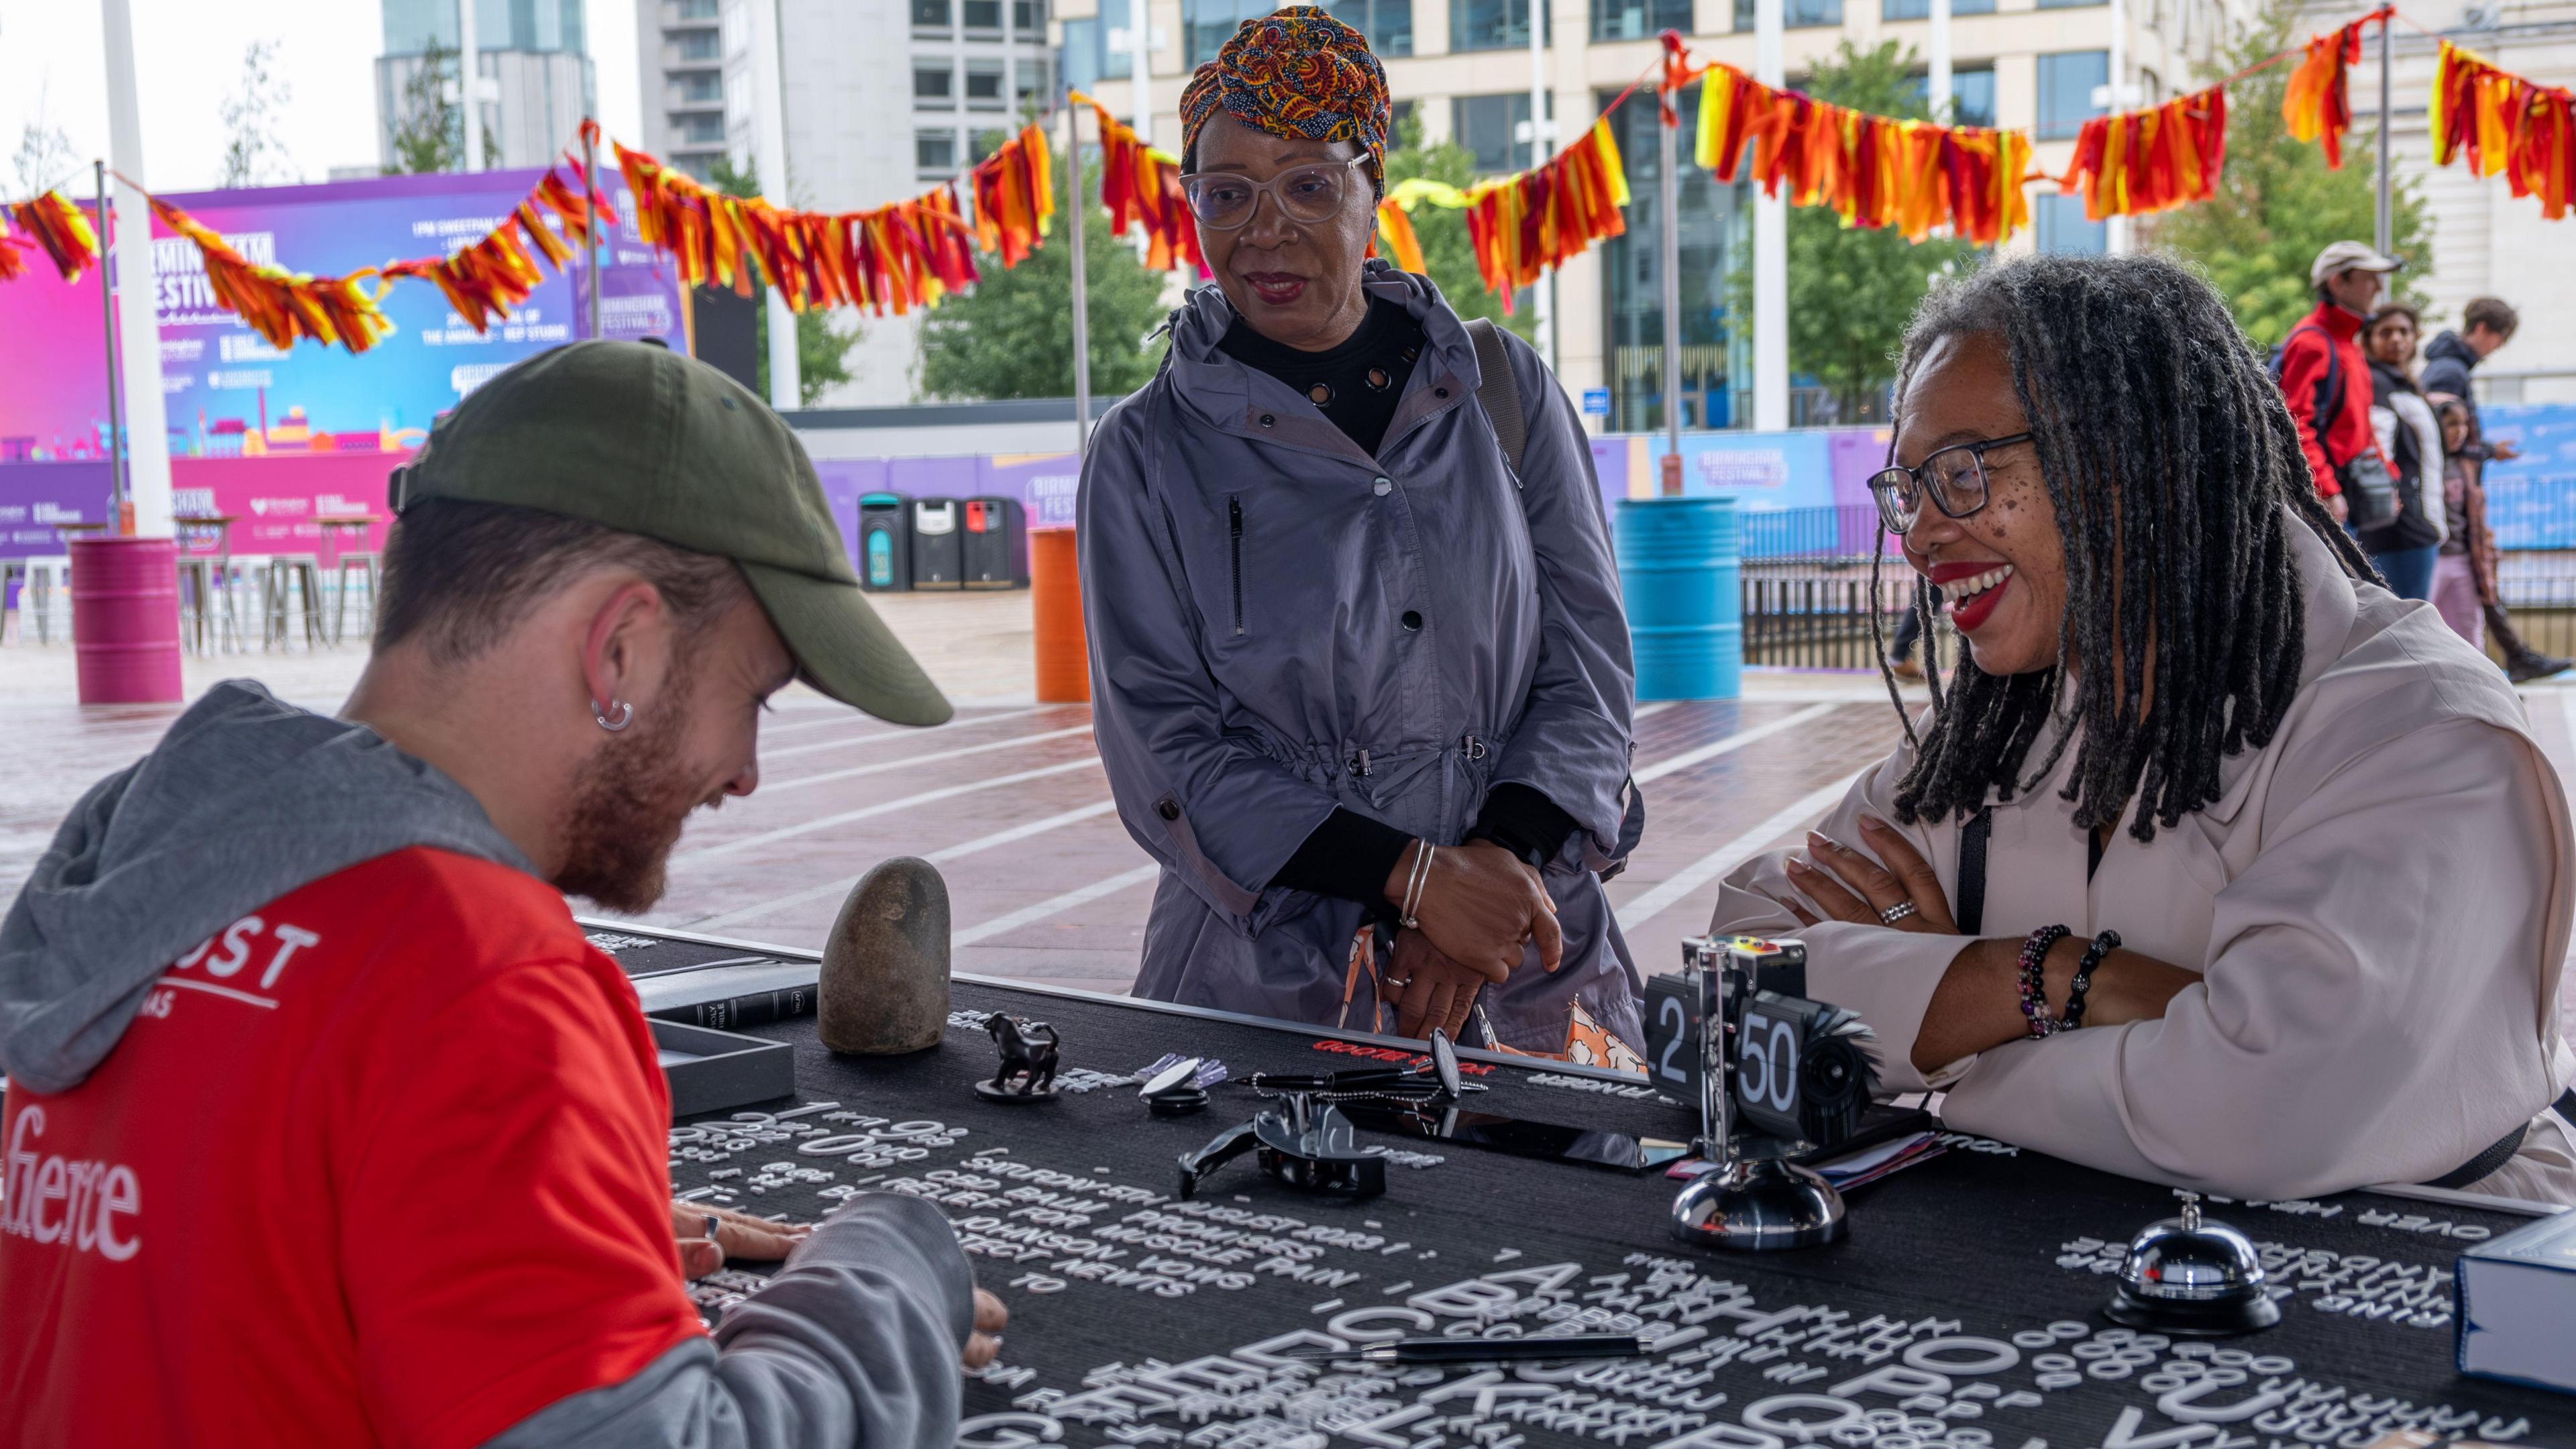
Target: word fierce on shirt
(94, 1195)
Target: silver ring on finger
(713, 1223)
(1896, 913)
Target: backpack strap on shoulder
(1496, 390)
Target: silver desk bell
(2184, 1275)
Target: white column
(769, 159)
(1140, 53)
(2116, 233)
(469, 84)
(1937, 59)
(138, 330)
(1770, 252)
(1541, 147)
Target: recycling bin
(885, 544)
(938, 559)
(992, 554)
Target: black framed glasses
(1223, 200)
(1954, 477)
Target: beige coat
(2378, 904)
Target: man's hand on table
(734, 1235)
(758, 1240)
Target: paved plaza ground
(1008, 799)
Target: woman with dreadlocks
(2214, 863)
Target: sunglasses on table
(1224, 200)
(1953, 477)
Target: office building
(1463, 67)
(532, 60)
(680, 61)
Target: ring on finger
(1896, 913)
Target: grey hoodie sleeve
(1213, 810)
(854, 1343)
(1571, 744)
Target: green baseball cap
(640, 439)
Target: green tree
(1011, 334)
(2278, 204)
(1448, 251)
(1852, 289)
(253, 154)
(428, 131)
(822, 350)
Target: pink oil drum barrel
(125, 620)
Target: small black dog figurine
(1028, 1055)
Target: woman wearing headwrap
(1362, 688)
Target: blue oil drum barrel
(1679, 566)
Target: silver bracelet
(1414, 887)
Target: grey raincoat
(1281, 624)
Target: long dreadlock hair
(2172, 467)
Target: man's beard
(628, 804)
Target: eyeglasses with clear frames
(1954, 476)
(1224, 200)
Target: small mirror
(1444, 1061)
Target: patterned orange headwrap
(1297, 73)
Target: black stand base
(1012, 1096)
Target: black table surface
(1962, 1309)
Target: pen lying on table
(1482, 1350)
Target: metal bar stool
(211, 572)
(47, 575)
(301, 575)
(13, 571)
(367, 565)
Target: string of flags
(1913, 177)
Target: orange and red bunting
(894, 258)
(488, 280)
(61, 228)
(1395, 229)
(282, 306)
(1142, 184)
(2316, 106)
(1014, 199)
(2502, 122)
(2140, 162)
(1874, 171)
(1527, 225)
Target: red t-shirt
(384, 1162)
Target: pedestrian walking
(2486, 324)
(2404, 548)
(2325, 380)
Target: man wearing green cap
(324, 1124)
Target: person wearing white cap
(2325, 379)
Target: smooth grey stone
(885, 968)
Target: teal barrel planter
(1679, 562)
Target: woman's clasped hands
(1478, 906)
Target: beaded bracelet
(2103, 945)
(2034, 977)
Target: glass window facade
(697, 87)
(1922, 9)
(2061, 227)
(983, 14)
(1028, 17)
(1641, 19)
(1490, 126)
(697, 9)
(983, 85)
(1086, 57)
(933, 85)
(1716, 226)
(1795, 14)
(934, 154)
(1972, 95)
(536, 25)
(2066, 85)
(697, 128)
(1208, 24)
(1493, 25)
(931, 14)
(690, 45)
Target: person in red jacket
(325, 1125)
(2324, 377)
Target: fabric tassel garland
(2501, 122)
(2316, 106)
(1526, 225)
(1396, 238)
(280, 305)
(489, 280)
(2141, 162)
(1873, 171)
(61, 228)
(1014, 197)
(1142, 184)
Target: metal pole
(469, 84)
(1077, 216)
(769, 160)
(117, 483)
(1668, 191)
(1939, 91)
(147, 425)
(1770, 252)
(2117, 234)
(1140, 73)
(1539, 152)
(590, 208)
(2387, 216)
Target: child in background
(2455, 578)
